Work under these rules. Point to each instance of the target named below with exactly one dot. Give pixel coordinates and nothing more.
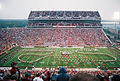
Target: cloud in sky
(20, 9)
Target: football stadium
(71, 40)
(59, 38)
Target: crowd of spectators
(58, 74)
(64, 15)
(52, 37)
(5, 44)
(80, 24)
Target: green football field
(70, 57)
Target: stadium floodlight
(116, 16)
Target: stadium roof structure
(64, 15)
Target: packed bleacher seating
(46, 74)
(5, 44)
(64, 24)
(52, 37)
(63, 15)
(81, 19)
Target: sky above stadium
(20, 9)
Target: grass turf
(78, 57)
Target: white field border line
(33, 54)
(101, 54)
(45, 55)
(103, 57)
(38, 50)
(48, 60)
(57, 59)
(110, 54)
(8, 56)
(10, 60)
(48, 56)
(35, 62)
(21, 55)
(54, 60)
(117, 62)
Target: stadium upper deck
(85, 19)
(64, 15)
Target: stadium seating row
(49, 74)
(52, 37)
(40, 24)
(90, 15)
